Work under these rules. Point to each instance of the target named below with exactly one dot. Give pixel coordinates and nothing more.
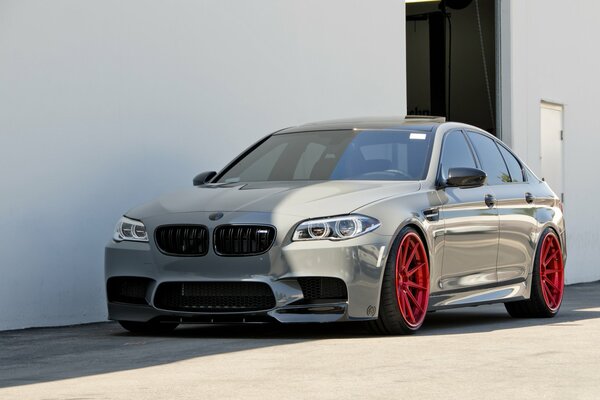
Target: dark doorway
(451, 60)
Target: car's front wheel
(547, 284)
(405, 287)
(149, 328)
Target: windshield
(335, 155)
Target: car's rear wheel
(547, 284)
(149, 328)
(405, 287)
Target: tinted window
(490, 158)
(385, 155)
(356, 155)
(259, 168)
(456, 153)
(514, 167)
(312, 154)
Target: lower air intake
(130, 290)
(214, 296)
(318, 288)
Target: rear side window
(490, 158)
(514, 167)
(456, 153)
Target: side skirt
(508, 291)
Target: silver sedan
(377, 220)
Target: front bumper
(358, 262)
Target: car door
(516, 208)
(470, 223)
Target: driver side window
(455, 153)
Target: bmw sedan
(379, 220)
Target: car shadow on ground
(48, 354)
(581, 302)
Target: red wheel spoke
(416, 286)
(414, 300)
(551, 284)
(401, 303)
(409, 311)
(546, 291)
(551, 257)
(404, 250)
(551, 270)
(399, 278)
(410, 258)
(415, 269)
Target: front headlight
(335, 228)
(130, 229)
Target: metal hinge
(562, 134)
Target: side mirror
(465, 177)
(203, 178)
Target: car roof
(421, 123)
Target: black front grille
(130, 290)
(243, 240)
(214, 296)
(323, 288)
(182, 240)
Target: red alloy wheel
(412, 280)
(552, 272)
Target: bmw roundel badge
(215, 216)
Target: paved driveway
(477, 353)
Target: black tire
(537, 306)
(149, 328)
(390, 320)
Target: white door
(551, 151)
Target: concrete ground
(461, 354)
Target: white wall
(554, 57)
(106, 104)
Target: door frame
(556, 106)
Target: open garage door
(452, 60)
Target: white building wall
(554, 57)
(106, 104)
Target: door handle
(529, 198)
(490, 200)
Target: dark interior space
(451, 60)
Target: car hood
(303, 199)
